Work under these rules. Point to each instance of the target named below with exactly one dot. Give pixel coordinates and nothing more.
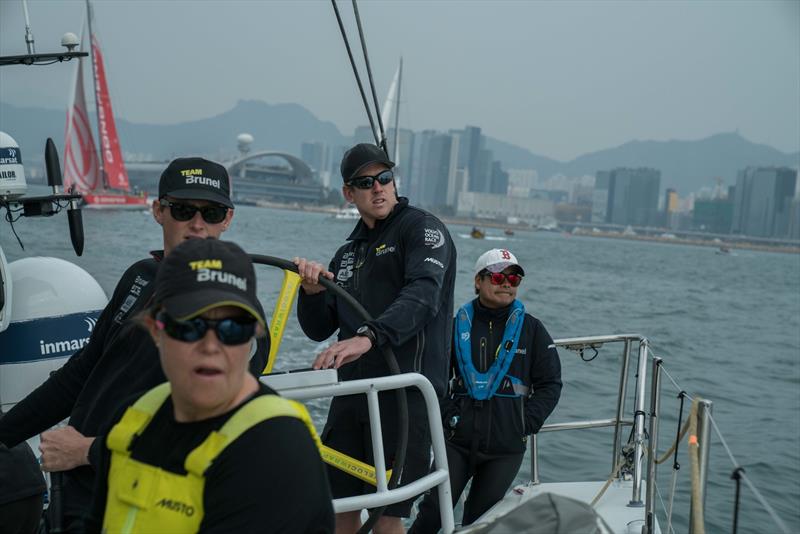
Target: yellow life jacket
(145, 498)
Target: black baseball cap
(196, 179)
(359, 157)
(201, 274)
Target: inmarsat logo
(68, 345)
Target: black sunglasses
(366, 182)
(230, 331)
(180, 211)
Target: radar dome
(54, 307)
(244, 141)
(12, 173)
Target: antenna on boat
(28, 33)
(32, 58)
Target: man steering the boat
(120, 359)
(506, 380)
(399, 262)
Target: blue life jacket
(482, 386)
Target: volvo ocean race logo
(434, 237)
(67, 345)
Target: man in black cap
(120, 359)
(400, 264)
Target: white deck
(612, 507)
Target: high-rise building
(603, 191)
(317, 155)
(499, 182)
(713, 215)
(626, 196)
(671, 208)
(794, 219)
(763, 201)
(435, 177)
(472, 143)
(418, 178)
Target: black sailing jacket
(403, 273)
(502, 424)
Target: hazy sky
(560, 78)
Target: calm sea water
(727, 326)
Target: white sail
(391, 100)
(392, 105)
(81, 164)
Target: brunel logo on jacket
(211, 271)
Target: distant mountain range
(685, 165)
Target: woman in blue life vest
(506, 380)
(212, 449)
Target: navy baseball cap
(196, 179)
(360, 156)
(202, 274)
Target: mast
(94, 86)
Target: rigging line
(724, 443)
(765, 504)
(355, 71)
(382, 142)
(674, 484)
(663, 506)
(743, 475)
(674, 383)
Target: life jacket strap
(136, 418)
(251, 414)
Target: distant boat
(508, 231)
(349, 213)
(477, 233)
(103, 181)
(723, 250)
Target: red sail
(81, 167)
(116, 175)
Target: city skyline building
(626, 196)
(763, 201)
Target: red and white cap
(497, 260)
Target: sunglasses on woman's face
(366, 182)
(180, 211)
(230, 331)
(497, 279)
